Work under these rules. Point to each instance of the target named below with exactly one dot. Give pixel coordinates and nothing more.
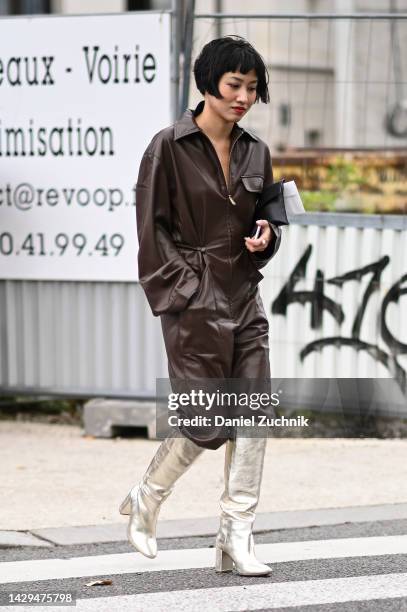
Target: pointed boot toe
(144, 543)
(253, 568)
(143, 511)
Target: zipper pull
(232, 200)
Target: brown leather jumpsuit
(194, 267)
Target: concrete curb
(10, 539)
(269, 521)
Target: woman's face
(239, 93)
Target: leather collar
(186, 124)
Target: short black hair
(229, 54)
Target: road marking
(254, 597)
(128, 563)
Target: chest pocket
(253, 182)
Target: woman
(198, 183)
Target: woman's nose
(242, 97)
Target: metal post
(176, 35)
(344, 88)
(187, 49)
(219, 9)
(33, 7)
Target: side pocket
(203, 299)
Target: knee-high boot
(243, 473)
(172, 459)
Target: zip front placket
(227, 184)
(228, 197)
(230, 157)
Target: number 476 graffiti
(320, 302)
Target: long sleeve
(168, 281)
(261, 258)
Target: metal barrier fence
(78, 339)
(337, 81)
(333, 295)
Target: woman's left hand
(262, 242)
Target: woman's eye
(251, 90)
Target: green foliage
(343, 174)
(344, 178)
(42, 409)
(321, 200)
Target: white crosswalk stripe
(277, 595)
(251, 597)
(126, 563)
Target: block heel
(224, 562)
(125, 506)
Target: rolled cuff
(261, 258)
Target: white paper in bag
(292, 199)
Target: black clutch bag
(271, 206)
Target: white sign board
(80, 99)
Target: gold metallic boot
(244, 459)
(172, 459)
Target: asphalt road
(348, 567)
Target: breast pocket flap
(254, 182)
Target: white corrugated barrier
(335, 295)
